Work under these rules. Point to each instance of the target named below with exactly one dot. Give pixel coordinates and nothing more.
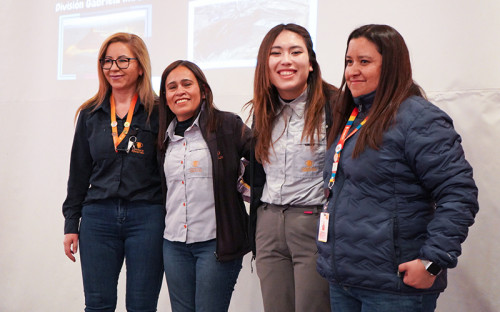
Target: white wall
(454, 47)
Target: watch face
(434, 269)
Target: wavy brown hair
(265, 104)
(165, 113)
(144, 87)
(395, 85)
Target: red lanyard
(118, 139)
(342, 140)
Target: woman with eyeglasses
(113, 210)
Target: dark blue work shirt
(98, 172)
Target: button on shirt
(294, 172)
(190, 201)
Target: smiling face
(363, 65)
(122, 80)
(182, 93)
(289, 65)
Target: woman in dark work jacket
(206, 223)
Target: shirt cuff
(71, 226)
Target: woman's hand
(415, 274)
(70, 245)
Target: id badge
(323, 227)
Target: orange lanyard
(118, 139)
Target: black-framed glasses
(121, 62)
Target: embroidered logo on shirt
(195, 167)
(137, 148)
(309, 167)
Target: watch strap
(431, 267)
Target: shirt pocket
(174, 161)
(100, 140)
(198, 162)
(308, 160)
(144, 145)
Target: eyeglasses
(121, 63)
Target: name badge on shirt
(323, 227)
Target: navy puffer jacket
(413, 198)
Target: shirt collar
(365, 101)
(106, 106)
(298, 105)
(170, 133)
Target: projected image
(81, 35)
(227, 33)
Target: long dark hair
(265, 103)
(395, 85)
(207, 100)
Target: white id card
(323, 227)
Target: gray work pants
(286, 259)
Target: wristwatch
(432, 267)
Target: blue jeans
(114, 230)
(352, 299)
(196, 280)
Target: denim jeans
(352, 299)
(114, 230)
(196, 280)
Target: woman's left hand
(415, 274)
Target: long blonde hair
(144, 87)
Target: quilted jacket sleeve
(434, 151)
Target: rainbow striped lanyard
(342, 140)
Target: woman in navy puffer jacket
(401, 195)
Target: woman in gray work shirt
(206, 226)
(290, 112)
